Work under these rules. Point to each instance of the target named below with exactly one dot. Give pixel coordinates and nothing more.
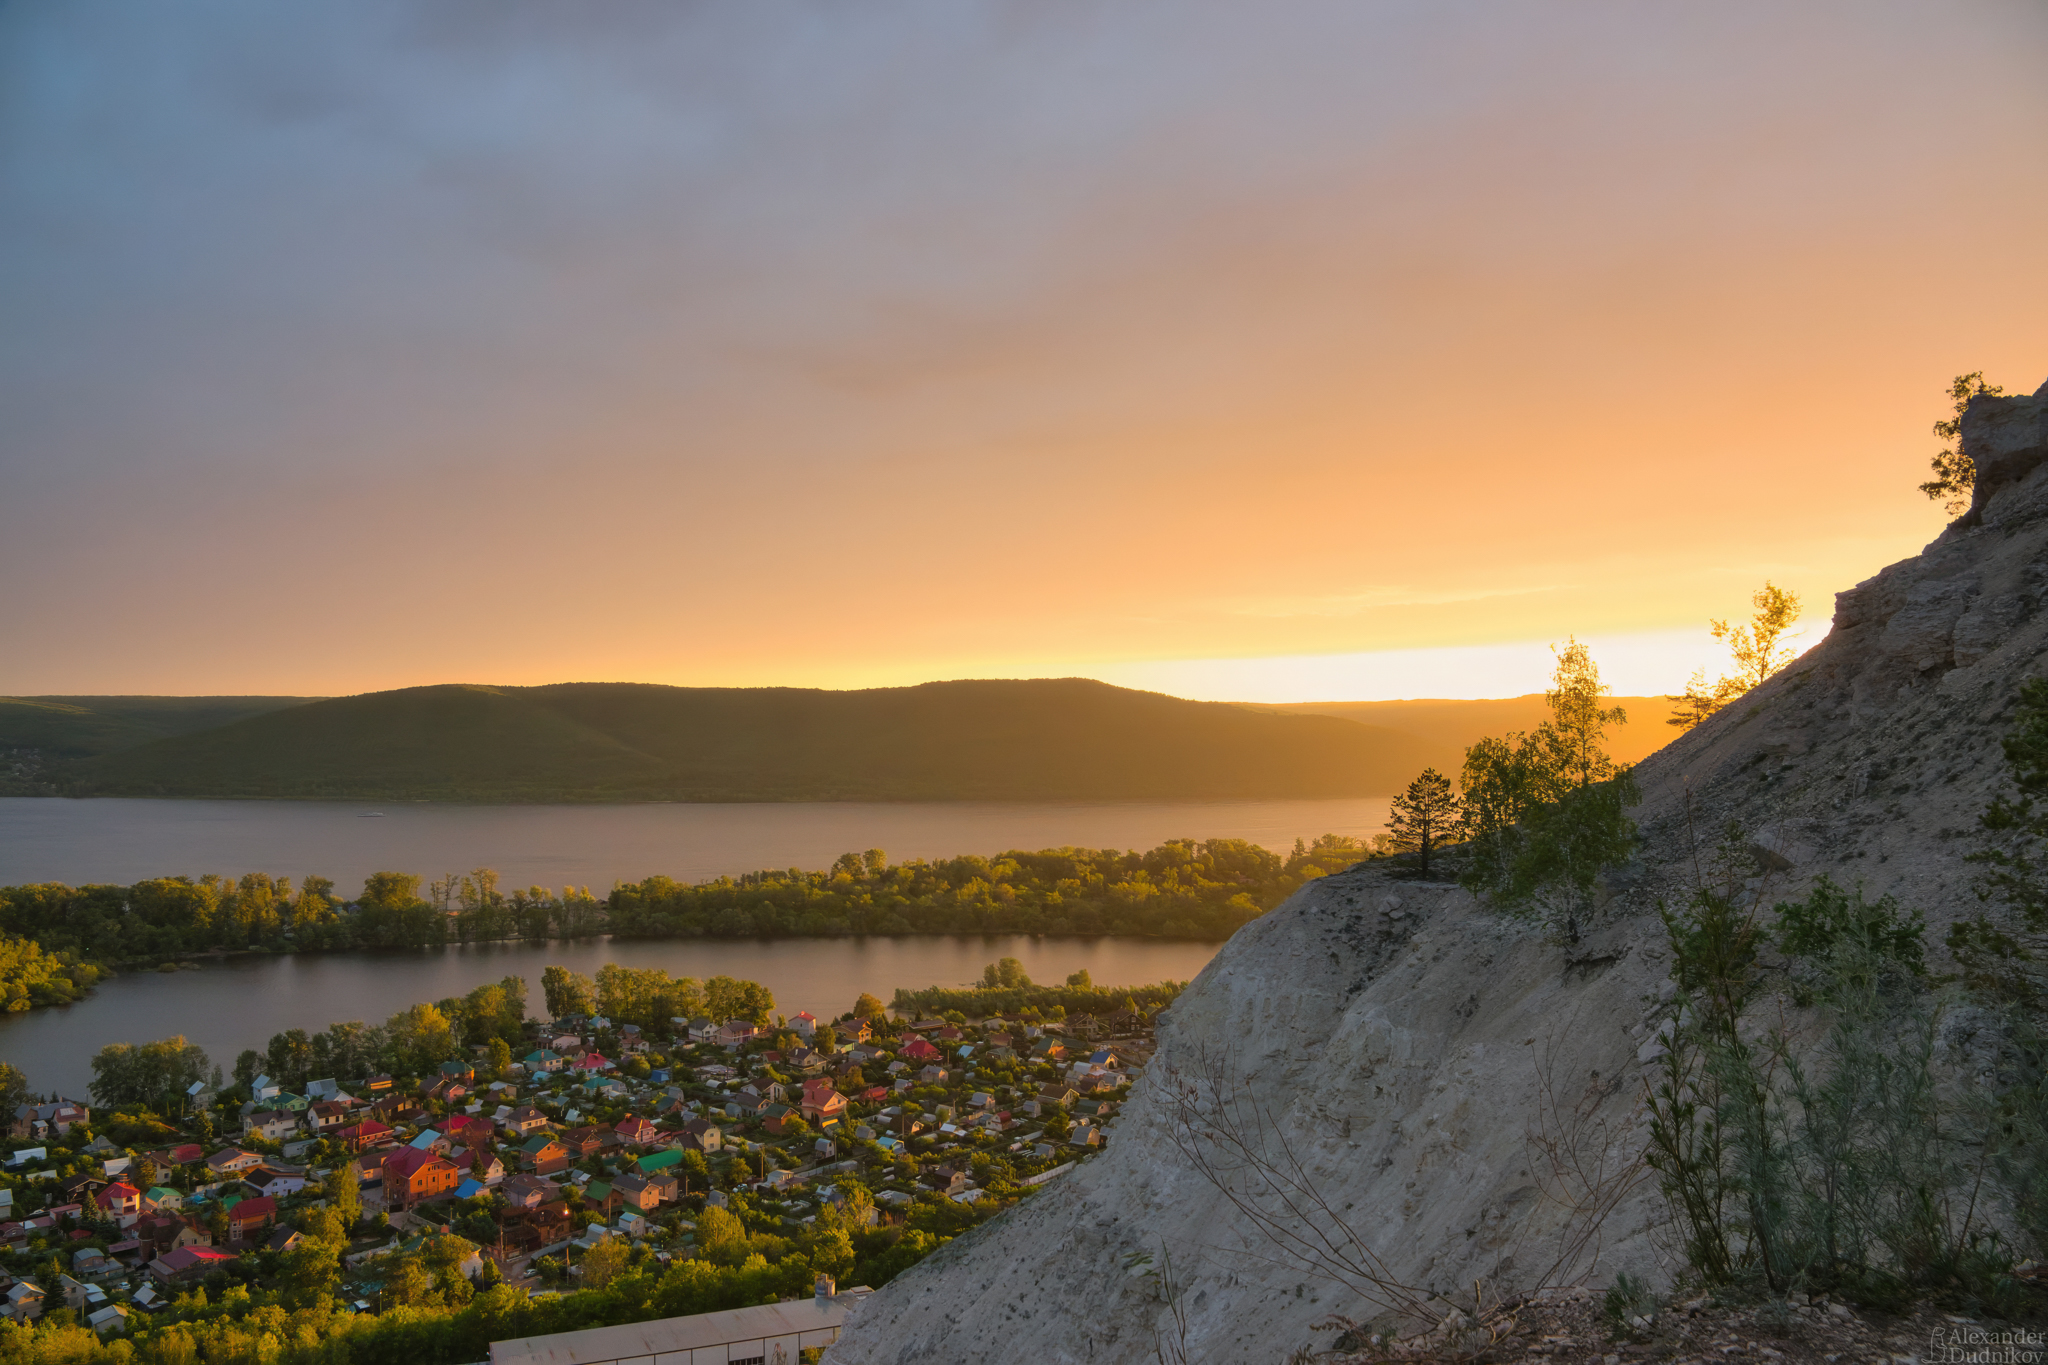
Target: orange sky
(842, 347)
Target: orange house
(412, 1176)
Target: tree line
(1184, 889)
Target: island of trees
(55, 940)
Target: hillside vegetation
(85, 727)
(1046, 739)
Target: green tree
(1424, 816)
(603, 1263)
(728, 998)
(867, 1007)
(1081, 980)
(13, 1089)
(1545, 813)
(1756, 653)
(1955, 474)
(721, 1239)
(501, 1056)
(566, 993)
(1006, 974)
(156, 1074)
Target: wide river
(226, 1007)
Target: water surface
(120, 840)
(226, 1006)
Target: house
(529, 1191)
(276, 1179)
(808, 1061)
(635, 1132)
(80, 1187)
(821, 1103)
(582, 1142)
(946, 1180)
(112, 1318)
(250, 1216)
(918, 1050)
(361, 1137)
(444, 1089)
(601, 1196)
(932, 1075)
(1056, 1095)
(458, 1070)
(656, 1162)
(377, 1084)
(854, 1031)
(395, 1108)
(948, 1034)
(1085, 1135)
(805, 1025)
(413, 1175)
(543, 1155)
(183, 1154)
(89, 1261)
(631, 1039)
(703, 1031)
(272, 1125)
(228, 1160)
(328, 1089)
(702, 1135)
(25, 1301)
(285, 1239)
(636, 1191)
(778, 1117)
(162, 1232)
(524, 1121)
(161, 1197)
(590, 1063)
(486, 1170)
(324, 1115)
(1049, 1050)
(188, 1263)
(737, 1033)
(428, 1140)
(77, 1294)
(543, 1059)
(119, 1198)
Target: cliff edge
(1457, 1090)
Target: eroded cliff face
(1413, 1049)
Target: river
(114, 840)
(228, 1006)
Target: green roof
(597, 1189)
(660, 1161)
(537, 1143)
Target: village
(599, 1141)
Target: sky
(1266, 352)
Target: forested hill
(1044, 739)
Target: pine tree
(1424, 816)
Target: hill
(1044, 739)
(1385, 1091)
(83, 727)
(1454, 725)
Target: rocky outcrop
(1439, 1072)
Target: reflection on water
(228, 1006)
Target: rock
(1397, 1066)
(2006, 440)
(1921, 632)
(1985, 625)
